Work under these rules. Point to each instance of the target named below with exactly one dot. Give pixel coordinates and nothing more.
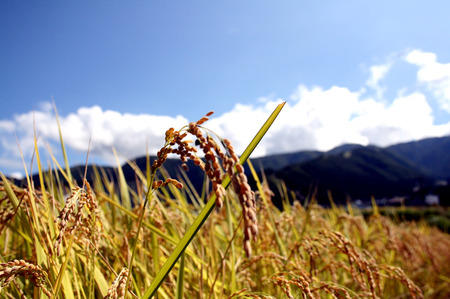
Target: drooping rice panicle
(117, 288)
(13, 269)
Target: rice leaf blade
(204, 214)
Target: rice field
(164, 239)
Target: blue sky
(351, 71)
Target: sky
(120, 73)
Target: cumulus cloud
(314, 117)
(317, 118)
(378, 73)
(435, 75)
(129, 134)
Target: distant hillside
(279, 161)
(356, 173)
(432, 155)
(348, 171)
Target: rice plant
(165, 239)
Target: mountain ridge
(349, 171)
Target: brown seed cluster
(117, 289)
(9, 271)
(350, 271)
(364, 269)
(7, 210)
(160, 183)
(219, 160)
(362, 266)
(246, 198)
(306, 284)
(84, 223)
(399, 274)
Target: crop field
(164, 239)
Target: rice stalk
(215, 198)
(329, 253)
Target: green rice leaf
(204, 214)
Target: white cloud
(378, 73)
(128, 133)
(435, 75)
(317, 118)
(7, 126)
(406, 118)
(241, 124)
(16, 175)
(313, 118)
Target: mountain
(279, 161)
(348, 171)
(356, 173)
(431, 154)
(343, 148)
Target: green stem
(201, 218)
(141, 218)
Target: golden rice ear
(66, 214)
(9, 271)
(174, 182)
(117, 289)
(247, 248)
(157, 184)
(202, 120)
(212, 168)
(169, 133)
